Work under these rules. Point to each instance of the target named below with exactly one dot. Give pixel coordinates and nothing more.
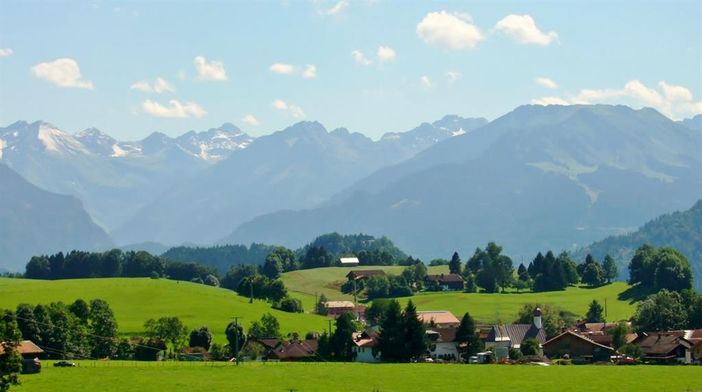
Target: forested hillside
(681, 230)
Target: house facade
(577, 347)
(363, 348)
(442, 345)
(444, 282)
(665, 347)
(502, 338)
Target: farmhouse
(504, 337)
(348, 261)
(599, 332)
(665, 347)
(438, 319)
(30, 353)
(294, 350)
(363, 346)
(577, 347)
(363, 274)
(442, 344)
(444, 282)
(337, 308)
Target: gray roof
(516, 333)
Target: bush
(292, 305)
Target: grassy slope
(351, 377)
(138, 299)
(484, 307)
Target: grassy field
(324, 377)
(134, 300)
(486, 308)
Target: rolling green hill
(486, 308)
(134, 300)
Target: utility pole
(316, 303)
(329, 326)
(250, 291)
(354, 293)
(605, 308)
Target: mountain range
(537, 178)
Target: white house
(504, 337)
(442, 345)
(363, 344)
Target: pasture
(325, 377)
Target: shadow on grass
(635, 294)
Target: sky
(372, 66)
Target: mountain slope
(537, 178)
(33, 221)
(681, 230)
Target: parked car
(64, 364)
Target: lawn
(324, 377)
(134, 300)
(486, 308)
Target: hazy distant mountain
(298, 167)
(694, 122)
(539, 177)
(33, 221)
(681, 230)
(113, 179)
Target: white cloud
(214, 70)
(63, 72)
(546, 82)
(283, 69)
(453, 76)
(426, 82)
(174, 109)
(250, 119)
(523, 29)
(6, 52)
(675, 93)
(453, 31)
(160, 85)
(386, 53)
(336, 9)
(673, 101)
(549, 101)
(360, 58)
(293, 110)
(310, 72)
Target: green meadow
(350, 377)
(486, 308)
(134, 300)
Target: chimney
(537, 318)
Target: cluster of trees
(78, 330)
(220, 256)
(116, 263)
(253, 282)
(489, 269)
(662, 268)
(669, 310)
(549, 273)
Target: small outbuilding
(363, 274)
(349, 261)
(30, 353)
(444, 282)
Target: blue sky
(370, 66)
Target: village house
(337, 308)
(30, 353)
(363, 274)
(600, 332)
(287, 351)
(348, 261)
(577, 347)
(363, 346)
(438, 319)
(502, 338)
(444, 282)
(665, 347)
(442, 345)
